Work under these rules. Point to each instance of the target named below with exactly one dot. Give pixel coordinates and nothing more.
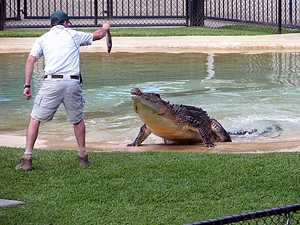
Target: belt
(62, 76)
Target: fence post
(279, 16)
(291, 12)
(197, 13)
(96, 12)
(190, 12)
(2, 14)
(108, 9)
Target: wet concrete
(248, 147)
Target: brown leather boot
(26, 164)
(83, 160)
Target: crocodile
(180, 124)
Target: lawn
(181, 31)
(144, 188)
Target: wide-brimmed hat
(59, 17)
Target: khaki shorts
(54, 92)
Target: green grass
(148, 32)
(144, 188)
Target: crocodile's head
(143, 102)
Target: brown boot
(26, 164)
(83, 160)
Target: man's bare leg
(32, 133)
(79, 130)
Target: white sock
(28, 153)
(82, 151)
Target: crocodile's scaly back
(174, 123)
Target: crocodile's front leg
(144, 133)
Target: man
(62, 82)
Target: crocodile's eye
(157, 95)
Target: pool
(241, 91)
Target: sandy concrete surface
(283, 42)
(203, 44)
(233, 147)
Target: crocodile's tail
(242, 132)
(272, 131)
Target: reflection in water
(242, 91)
(285, 69)
(281, 68)
(210, 66)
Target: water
(241, 91)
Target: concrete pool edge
(247, 147)
(177, 44)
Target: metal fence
(278, 13)
(288, 215)
(88, 13)
(124, 13)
